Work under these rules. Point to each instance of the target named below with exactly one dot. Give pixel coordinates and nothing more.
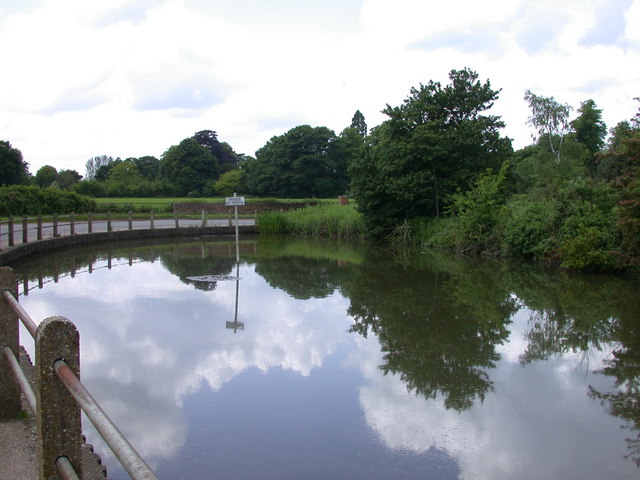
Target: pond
(329, 360)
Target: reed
(325, 220)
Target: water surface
(333, 361)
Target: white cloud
(130, 78)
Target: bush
(20, 200)
(588, 250)
(530, 231)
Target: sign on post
(235, 201)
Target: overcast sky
(128, 78)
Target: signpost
(235, 201)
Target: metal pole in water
(237, 234)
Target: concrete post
(90, 222)
(39, 227)
(25, 230)
(72, 227)
(10, 219)
(152, 221)
(109, 222)
(55, 225)
(130, 221)
(177, 223)
(57, 413)
(9, 390)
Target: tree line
(438, 170)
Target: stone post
(10, 219)
(72, 226)
(90, 222)
(109, 222)
(130, 220)
(55, 225)
(57, 413)
(25, 230)
(9, 390)
(152, 221)
(39, 234)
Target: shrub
(530, 231)
(22, 200)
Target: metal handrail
(22, 314)
(21, 378)
(130, 459)
(132, 462)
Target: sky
(128, 78)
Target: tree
(439, 140)
(550, 118)
(125, 172)
(104, 170)
(45, 176)
(13, 169)
(223, 152)
(94, 163)
(67, 178)
(358, 123)
(229, 182)
(589, 127)
(304, 162)
(148, 167)
(189, 167)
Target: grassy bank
(328, 220)
(164, 204)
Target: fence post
(25, 232)
(108, 221)
(39, 234)
(10, 219)
(152, 221)
(55, 225)
(72, 227)
(57, 413)
(9, 390)
(90, 222)
(177, 223)
(130, 221)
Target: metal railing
(14, 231)
(59, 395)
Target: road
(64, 227)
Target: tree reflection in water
(439, 318)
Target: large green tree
(13, 169)
(436, 142)
(45, 176)
(304, 162)
(190, 168)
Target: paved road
(64, 227)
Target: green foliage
(13, 169)
(229, 182)
(328, 220)
(358, 123)
(479, 208)
(45, 176)
(91, 188)
(530, 230)
(589, 128)
(435, 143)
(304, 162)
(189, 167)
(550, 118)
(272, 223)
(23, 200)
(588, 250)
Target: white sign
(235, 201)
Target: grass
(326, 220)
